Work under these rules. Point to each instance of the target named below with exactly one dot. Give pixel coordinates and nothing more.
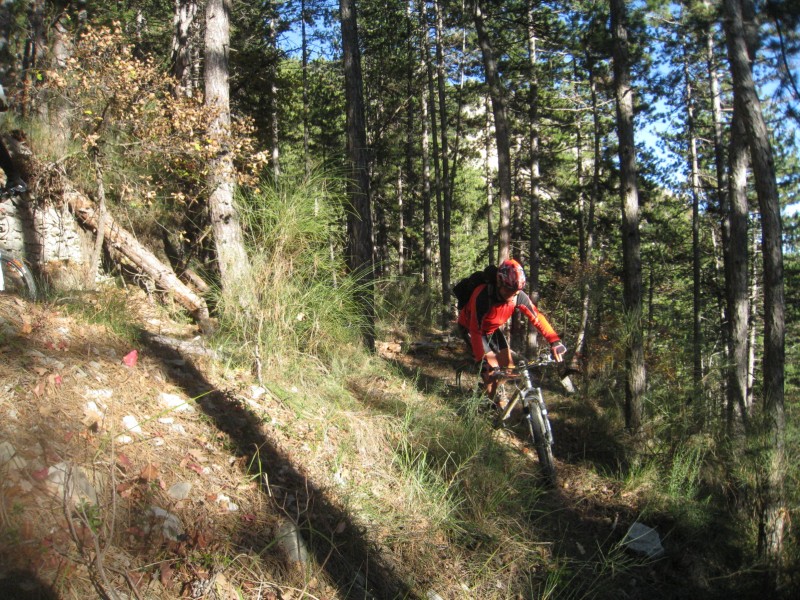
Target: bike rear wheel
(468, 379)
(15, 277)
(538, 429)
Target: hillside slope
(152, 469)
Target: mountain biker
(14, 183)
(489, 308)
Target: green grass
(109, 308)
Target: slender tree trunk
(489, 176)
(410, 245)
(500, 131)
(532, 342)
(631, 244)
(401, 226)
(434, 130)
(232, 260)
(274, 126)
(694, 181)
(34, 56)
(723, 203)
(774, 511)
(58, 111)
(737, 265)
(444, 233)
(579, 358)
(181, 57)
(304, 42)
(359, 219)
(427, 225)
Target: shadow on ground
(349, 559)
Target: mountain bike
(15, 276)
(519, 386)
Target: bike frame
(524, 394)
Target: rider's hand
(558, 350)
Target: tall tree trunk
(359, 219)
(500, 131)
(58, 110)
(736, 269)
(745, 96)
(434, 129)
(401, 226)
(444, 233)
(534, 204)
(587, 225)
(410, 245)
(631, 243)
(33, 56)
(723, 203)
(694, 187)
(489, 177)
(273, 99)
(427, 224)
(232, 260)
(304, 50)
(181, 57)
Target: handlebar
(516, 371)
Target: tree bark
(427, 224)
(694, 182)
(631, 243)
(736, 269)
(121, 244)
(588, 224)
(233, 263)
(745, 96)
(444, 233)
(532, 338)
(183, 20)
(500, 131)
(359, 219)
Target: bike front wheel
(468, 379)
(538, 428)
(15, 277)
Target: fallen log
(122, 244)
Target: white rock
(71, 482)
(9, 456)
(643, 540)
(291, 542)
(174, 402)
(103, 394)
(180, 490)
(132, 425)
(171, 526)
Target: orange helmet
(511, 275)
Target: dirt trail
(249, 463)
(588, 514)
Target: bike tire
(538, 431)
(15, 277)
(468, 380)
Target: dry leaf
(149, 473)
(197, 455)
(167, 574)
(124, 462)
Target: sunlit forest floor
(168, 472)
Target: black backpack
(464, 288)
